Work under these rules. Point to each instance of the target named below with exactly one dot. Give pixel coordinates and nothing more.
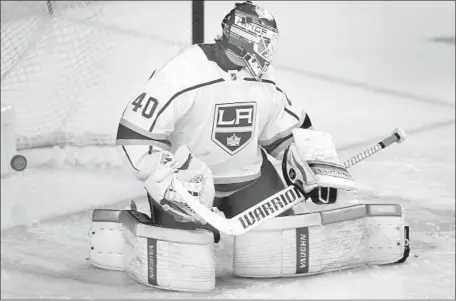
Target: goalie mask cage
(68, 68)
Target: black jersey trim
(289, 102)
(180, 93)
(129, 159)
(285, 94)
(125, 133)
(307, 124)
(267, 81)
(292, 114)
(152, 75)
(287, 140)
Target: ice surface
(45, 211)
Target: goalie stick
(398, 136)
(275, 204)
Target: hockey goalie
(208, 120)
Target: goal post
(197, 21)
(8, 139)
(50, 8)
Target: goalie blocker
(323, 241)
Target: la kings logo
(233, 125)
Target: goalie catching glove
(312, 165)
(195, 175)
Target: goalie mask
(250, 33)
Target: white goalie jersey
(224, 117)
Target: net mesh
(69, 67)
(68, 70)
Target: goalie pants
(268, 184)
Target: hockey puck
(18, 163)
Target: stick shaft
(371, 150)
(288, 198)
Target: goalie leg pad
(106, 240)
(323, 241)
(172, 259)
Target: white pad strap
(106, 240)
(172, 259)
(106, 237)
(322, 242)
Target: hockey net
(69, 67)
